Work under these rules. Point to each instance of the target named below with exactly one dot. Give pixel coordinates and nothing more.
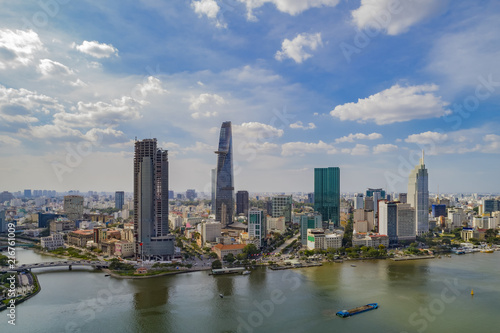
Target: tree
(229, 258)
(4, 260)
(216, 264)
(381, 247)
(250, 249)
(446, 241)
(490, 233)
(213, 255)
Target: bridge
(5, 247)
(69, 263)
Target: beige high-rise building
(73, 207)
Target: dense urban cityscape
(243, 166)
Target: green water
(414, 296)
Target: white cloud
(395, 17)
(384, 148)
(396, 104)
(17, 48)
(359, 149)
(301, 148)
(299, 124)
(50, 131)
(96, 49)
(100, 113)
(49, 67)
(201, 147)
(208, 8)
(19, 105)
(206, 100)
(152, 85)
(359, 136)
(292, 7)
(257, 131)
(9, 141)
(427, 138)
(296, 49)
(208, 114)
(105, 136)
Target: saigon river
(414, 296)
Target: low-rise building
(323, 240)
(80, 237)
(223, 250)
(52, 242)
(62, 225)
(370, 240)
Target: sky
(362, 85)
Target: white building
(406, 222)
(371, 240)
(358, 201)
(52, 242)
(276, 224)
(210, 231)
(256, 225)
(318, 239)
(418, 196)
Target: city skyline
(304, 87)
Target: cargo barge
(359, 309)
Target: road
(286, 243)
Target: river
(414, 296)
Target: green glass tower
(327, 194)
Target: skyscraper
(418, 196)
(327, 194)
(73, 207)
(213, 173)
(151, 202)
(242, 202)
(224, 201)
(282, 206)
(119, 199)
(257, 225)
(358, 201)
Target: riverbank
(138, 276)
(37, 288)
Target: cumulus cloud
(105, 136)
(299, 124)
(301, 148)
(292, 7)
(96, 49)
(151, 86)
(257, 131)
(50, 131)
(208, 8)
(359, 149)
(394, 17)
(396, 104)
(100, 113)
(427, 138)
(17, 48)
(384, 148)
(9, 141)
(359, 136)
(296, 49)
(49, 67)
(19, 105)
(206, 100)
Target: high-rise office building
(282, 206)
(402, 197)
(327, 194)
(151, 229)
(371, 191)
(3, 224)
(310, 198)
(119, 199)
(388, 221)
(491, 205)
(242, 202)
(418, 196)
(73, 207)
(439, 210)
(191, 194)
(406, 222)
(257, 225)
(358, 201)
(213, 173)
(224, 201)
(27, 193)
(309, 221)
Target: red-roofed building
(223, 250)
(80, 237)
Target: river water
(414, 296)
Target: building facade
(282, 206)
(52, 242)
(242, 203)
(327, 194)
(388, 221)
(309, 221)
(224, 201)
(418, 196)
(151, 228)
(119, 199)
(73, 207)
(257, 225)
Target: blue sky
(363, 85)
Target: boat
(487, 251)
(353, 265)
(359, 309)
(245, 273)
(106, 274)
(221, 296)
